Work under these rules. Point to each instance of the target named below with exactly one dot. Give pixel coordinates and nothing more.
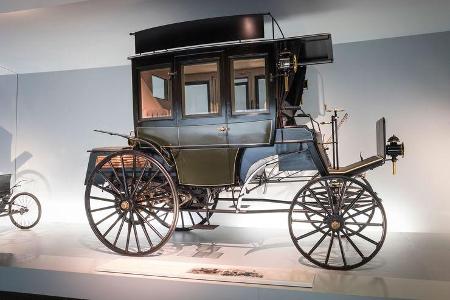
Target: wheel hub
(125, 205)
(335, 223)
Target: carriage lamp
(287, 64)
(394, 148)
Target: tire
(25, 210)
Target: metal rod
(336, 139)
(332, 141)
(257, 200)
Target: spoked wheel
(131, 203)
(310, 216)
(337, 222)
(193, 200)
(24, 210)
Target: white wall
(404, 79)
(94, 33)
(7, 122)
(57, 113)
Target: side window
(249, 87)
(155, 94)
(201, 89)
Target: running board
(205, 226)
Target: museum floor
(67, 260)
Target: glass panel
(249, 89)
(241, 93)
(201, 91)
(260, 92)
(156, 100)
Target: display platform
(67, 260)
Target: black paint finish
(198, 32)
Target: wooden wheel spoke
(318, 201)
(319, 242)
(103, 199)
(102, 208)
(362, 236)
(136, 185)
(182, 219)
(329, 248)
(342, 250)
(150, 213)
(151, 226)
(306, 221)
(109, 191)
(145, 231)
(330, 196)
(105, 218)
(359, 212)
(353, 202)
(192, 219)
(311, 232)
(113, 224)
(353, 245)
(135, 233)
(128, 233)
(124, 176)
(343, 192)
(311, 210)
(120, 229)
(147, 183)
(115, 173)
(109, 182)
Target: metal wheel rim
(25, 210)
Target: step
(205, 226)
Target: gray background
(405, 79)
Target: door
(203, 157)
(252, 105)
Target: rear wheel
(131, 203)
(24, 210)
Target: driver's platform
(358, 167)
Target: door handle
(222, 129)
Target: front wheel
(24, 210)
(337, 222)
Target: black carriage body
(218, 148)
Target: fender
(133, 141)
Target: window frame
(190, 62)
(257, 88)
(169, 91)
(198, 82)
(232, 78)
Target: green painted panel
(250, 133)
(206, 167)
(203, 135)
(163, 136)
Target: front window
(249, 86)
(155, 93)
(201, 90)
